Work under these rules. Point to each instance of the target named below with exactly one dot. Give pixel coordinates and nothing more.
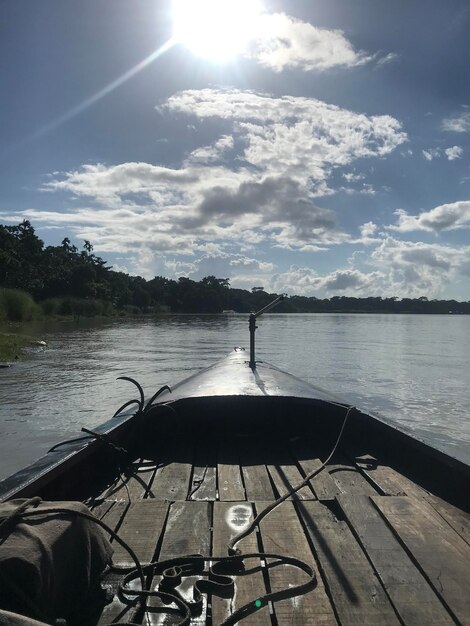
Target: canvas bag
(51, 564)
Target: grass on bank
(11, 346)
(19, 306)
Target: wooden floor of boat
(385, 550)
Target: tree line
(66, 280)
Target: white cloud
(459, 123)
(294, 135)
(208, 214)
(445, 217)
(269, 204)
(305, 281)
(301, 281)
(395, 268)
(415, 269)
(284, 150)
(287, 42)
(108, 184)
(388, 58)
(214, 153)
(454, 153)
(350, 177)
(236, 267)
(350, 280)
(431, 153)
(366, 190)
(368, 229)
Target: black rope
(93, 435)
(218, 581)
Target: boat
(247, 495)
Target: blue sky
(328, 155)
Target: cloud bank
(459, 123)
(289, 43)
(258, 185)
(453, 216)
(261, 180)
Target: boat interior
(384, 526)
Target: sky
(313, 147)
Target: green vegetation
(18, 306)
(62, 280)
(12, 345)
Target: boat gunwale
(45, 469)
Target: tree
(88, 247)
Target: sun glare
(217, 30)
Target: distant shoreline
(14, 347)
(39, 281)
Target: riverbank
(12, 346)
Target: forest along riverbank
(42, 281)
(410, 369)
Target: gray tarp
(12, 619)
(51, 564)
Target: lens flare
(107, 89)
(217, 30)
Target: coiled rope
(218, 581)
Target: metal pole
(253, 327)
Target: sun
(217, 30)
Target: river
(412, 369)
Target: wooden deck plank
(410, 593)
(136, 482)
(282, 533)
(231, 518)
(257, 482)
(116, 610)
(100, 509)
(388, 481)
(172, 480)
(203, 484)
(137, 486)
(114, 515)
(285, 477)
(348, 477)
(110, 488)
(359, 598)
(141, 529)
(441, 554)
(230, 480)
(285, 474)
(139, 524)
(204, 478)
(187, 531)
(459, 520)
(323, 486)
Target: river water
(411, 369)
